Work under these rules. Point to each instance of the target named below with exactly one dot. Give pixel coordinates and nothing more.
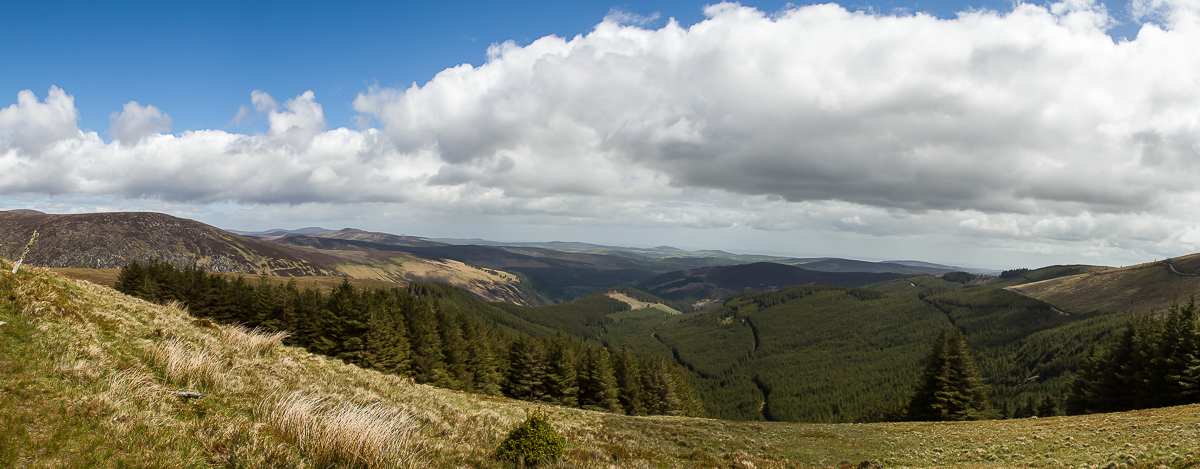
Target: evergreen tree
(597, 387)
(454, 352)
(1048, 407)
(561, 385)
(658, 390)
(425, 342)
(1026, 410)
(1154, 362)
(526, 374)
(950, 387)
(482, 360)
(387, 342)
(629, 384)
(131, 280)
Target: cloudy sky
(982, 134)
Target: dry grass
(183, 363)
(84, 375)
(1139, 289)
(374, 436)
(255, 341)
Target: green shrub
(535, 441)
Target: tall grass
(373, 436)
(185, 364)
(131, 386)
(255, 341)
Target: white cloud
(136, 122)
(30, 126)
(1030, 126)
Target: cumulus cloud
(136, 122)
(1029, 125)
(1036, 109)
(30, 125)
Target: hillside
(373, 237)
(682, 259)
(848, 265)
(555, 275)
(88, 376)
(1139, 289)
(112, 240)
(725, 281)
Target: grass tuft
(255, 341)
(373, 436)
(185, 364)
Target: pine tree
(131, 280)
(425, 342)
(1048, 407)
(658, 390)
(482, 360)
(526, 374)
(950, 387)
(561, 385)
(597, 387)
(387, 342)
(629, 383)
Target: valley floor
(85, 375)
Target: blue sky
(1000, 135)
(200, 60)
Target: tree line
(1153, 362)
(406, 331)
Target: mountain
(557, 276)
(724, 281)
(948, 268)
(278, 232)
(848, 265)
(676, 257)
(112, 240)
(351, 234)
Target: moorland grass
(79, 387)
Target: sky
(983, 134)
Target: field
(88, 375)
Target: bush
(533, 442)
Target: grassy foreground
(88, 376)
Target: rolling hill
(1139, 289)
(91, 379)
(725, 281)
(112, 240)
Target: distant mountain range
(522, 273)
(279, 232)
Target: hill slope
(1137, 289)
(112, 240)
(88, 376)
(725, 281)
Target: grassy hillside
(89, 375)
(1137, 289)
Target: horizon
(974, 134)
